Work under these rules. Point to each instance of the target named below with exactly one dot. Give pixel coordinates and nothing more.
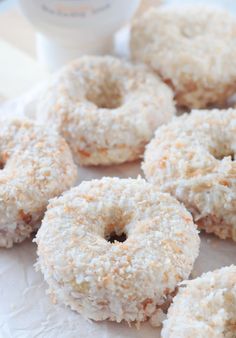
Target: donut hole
(2, 164)
(115, 229)
(3, 159)
(220, 156)
(105, 96)
(221, 147)
(114, 237)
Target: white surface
(18, 71)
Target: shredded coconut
(193, 158)
(35, 165)
(107, 109)
(126, 280)
(192, 48)
(204, 307)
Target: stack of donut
(120, 249)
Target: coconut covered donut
(193, 158)
(204, 307)
(35, 165)
(115, 249)
(192, 48)
(106, 109)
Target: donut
(116, 248)
(204, 307)
(193, 158)
(106, 108)
(35, 165)
(193, 50)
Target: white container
(67, 29)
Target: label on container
(74, 8)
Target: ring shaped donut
(192, 48)
(35, 165)
(204, 307)
(116, 248)
(106, 108)
(193, 158)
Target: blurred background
(22, 67)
